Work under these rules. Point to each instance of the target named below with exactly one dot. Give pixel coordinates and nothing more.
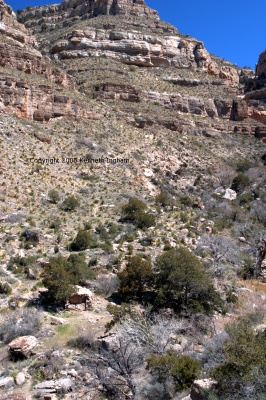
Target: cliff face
(76, 33)
(85, 9)
(12, 29)
(27, 79)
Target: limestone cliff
(27, 79)
(75, 35)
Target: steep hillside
(132, 169)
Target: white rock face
(230, 194)
(20, 378)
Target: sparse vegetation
(22, 322)
(70, 203)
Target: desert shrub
(145, 220)
(82, 241)
(106, 285)
(101, 230)
(119, 313)
(246, 271)
(53, 196)
(244, 365)
(22, 322)
(240, 182)
(163, 199)
(70, 203)
(5, 288)
(112, 229)
(19, 264)
(186, 201)
(77, 266)
(183, 284)
(93, 262)
(47, 367)
(107, 247)
(54, 223)
(87, 225)
(244, 165)
(58, 280)
(222, 223)
(181, 368)
(133, 208)
(136, 278)
(29, 237)
(85, 340)
(135, 212)
(231, 297)
(246, 199)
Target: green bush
(82, 241)
(54, 196)
(245, 362)
(54, 223)
(133, 208)
(240, 182)
(19, 264)
(79, 269)
(58, 280)
(183, 284)
(136, 278)
(70, 203)
(181, 368)
(145, 220)
(243, 165)
(186, 201)
(135, 211)
(163, 199)
(246, 199)
(29, 238)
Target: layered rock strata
(84, 9)
(27, 80)
(146, 50)
(190, 105)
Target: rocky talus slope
(103, 101)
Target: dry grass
(254, 285)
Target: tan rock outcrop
(38, 102)
(148, 50)
(20, 92)
(84, 9)
(11, 28)
(81, 300)
(185, 104)
(22, 346)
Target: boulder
(20, 378)
(22, 346)
(230, 194)
(81, 300)
(200, 389)
(55, 386)
(6, 382)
